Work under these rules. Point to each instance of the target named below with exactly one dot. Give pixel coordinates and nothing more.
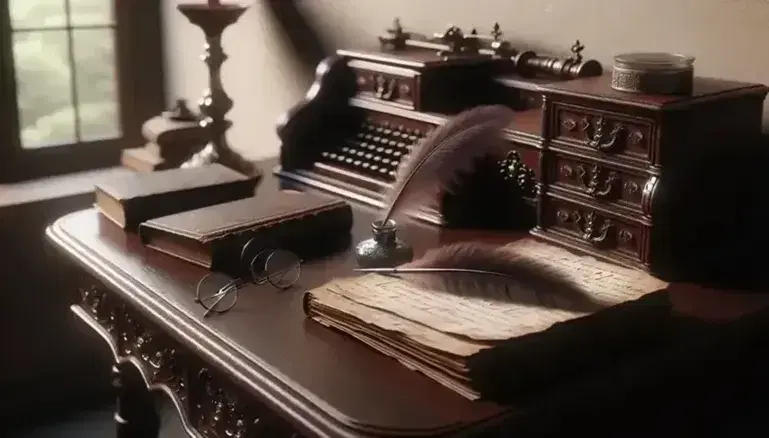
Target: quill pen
(492, 272)
(446, 152)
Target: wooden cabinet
(607, 155)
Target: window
(77, 80)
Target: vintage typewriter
(585, 164)
(368, 108)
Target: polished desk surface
(322, 376)
(321, 380)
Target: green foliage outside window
(44, 72)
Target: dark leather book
(132, 199)
(214, 237)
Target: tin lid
(653, 61)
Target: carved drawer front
(598, 182)
(386, 83)
(605, 133)
(600, 231)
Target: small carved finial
(181, 112)
(397, 28)
(496, 32)
(454, 38)
(396, 37)
(576, 50)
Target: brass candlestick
(213, 17)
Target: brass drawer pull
(597, 135)
(385, 89)
(591, 231)
(594, 186)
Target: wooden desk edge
(303, 412)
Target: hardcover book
(132, 199)
(213, 237)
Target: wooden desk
(261, 369)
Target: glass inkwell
(384, 249)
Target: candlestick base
(209, 155)
(213, 18)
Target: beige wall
(730, 39)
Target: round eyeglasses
(218, 293)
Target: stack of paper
(439, 333)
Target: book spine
(309, 237)
(154, 206)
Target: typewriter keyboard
(376, 150)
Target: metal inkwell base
(384, 249)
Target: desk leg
(135, 416)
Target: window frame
(140, 91)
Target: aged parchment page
(458, 385)
(478, 318)
(421, 334)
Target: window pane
(27, 14)
(44, 87)
(96, 83)
(91, 12)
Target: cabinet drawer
(596, 181)
(386, 83)
(606, 133)
(597, 230)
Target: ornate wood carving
(610, 186)
(636, 137)
(593, 228)
(385, 88)
(597, 230)
(569, 124)
(598, 183)
(207, 402)
(599, 136)
(601, 234)
(513, 169)
(396, 38)
(458, 43)
(222, 412)
(607, 132)
(630, 187)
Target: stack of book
(171, 137)
(207, 215)
(134, 198)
